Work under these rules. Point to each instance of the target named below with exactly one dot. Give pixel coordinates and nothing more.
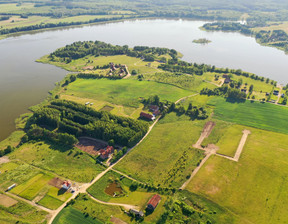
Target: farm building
(66, 185)
(276, 92)
(153, 202)
(227, 80)
(11, 187)
(225, 76)
(154, 109)
(136, 213)
(105, 153)
(147, 116)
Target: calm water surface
(24, 83)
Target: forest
(77, 120)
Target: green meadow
(157, 159)
(259, 115)
(256, 187)
(72, 164)
(124, 92)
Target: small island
(202, 41)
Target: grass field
(81, 167)
(83, 204)
(32, 187)
(259, 115)
(50, 202)
(160, 152)
(137, 198)
(124, 92)
(73, 216)
(132, 63)
(256, 187)
(22, 213)
(16, 172)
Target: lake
(24, 83)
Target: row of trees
(79, 120)
(232, 93)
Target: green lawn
(256, 187)
(80, 168)
(50, 202)
(124, 92)
(259, 115)
(155, 160)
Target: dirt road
(209, 152)
(205, 133)
(240, 147)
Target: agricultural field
(157, 159)
(255, 188)
(20, 212)
(123, 92)
(259, 115)
(72, 164)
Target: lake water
(24, 83)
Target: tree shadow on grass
(233, 100)
(61, 191)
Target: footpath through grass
(259, 115)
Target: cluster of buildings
(105, 153)
(154, 109)
(114, 67)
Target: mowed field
(256, 187)
(124, 92)
(157, 159)
(259, 115)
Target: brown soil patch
(90, 146)
(7, 201)
(117, 221)
(213, 190)
(208, 128)
(113, 188)
(4, 159)
(56, 182)
(88, 68)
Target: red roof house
(66, 185)
(147, 116)
(153, 202)
(104, 154)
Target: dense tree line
(54, 25)
(79, 120)
(80, 49)
(37, 133)
(228, 26)
(232, 93)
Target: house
(136, 213)
(227, 80)
(225, 76)
(154, 109)
(267, 94)
(147, 116)
(153, 202)
(104, 154)
(66, 185)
